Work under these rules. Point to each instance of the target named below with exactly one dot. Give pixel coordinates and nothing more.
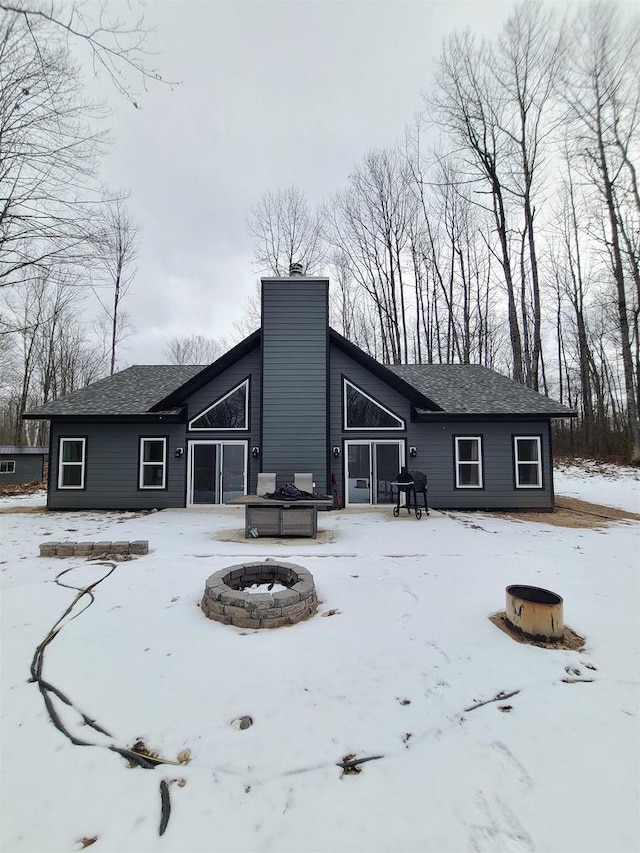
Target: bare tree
(47, 151)
(47, 352)
(193, 349)
(50, 135)
(286, 231)
(117, 48)
(602, 97)
(117, 248)
(471, 108)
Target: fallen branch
(575, 680)
(165, 806)
(499, 697)
(347, 765)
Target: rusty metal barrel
(535, 612)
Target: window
(7, 466)
(230, 412)
(153, 463)
(468, 462)
(362, 412)
(71, 463)
(528, 461)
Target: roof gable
(407, 389)
(178, 396)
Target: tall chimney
(295, 352)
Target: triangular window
(230, 412)
(363, 412)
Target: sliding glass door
(217, 471)
(370, 468)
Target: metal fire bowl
(534, 612)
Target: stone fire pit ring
(228, 598)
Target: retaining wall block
(215, 581)
(83, 549)
(65, 549)
(286, 596)
(279, 622)
(245, 622)
(259, 601)
(272, 613)
(139, 546)
(235, 598)
(48, 549)
(236, 612)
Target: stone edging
(92, 549)
(226, 600)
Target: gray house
(295, 396)
(20, 464)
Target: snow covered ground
(600, 483)
(389, 674)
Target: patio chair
(304, 482)
(266, 484)
(420, 483)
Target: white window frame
(477, 463)
(402, 425)
(518, 461)
(7, 466)
(62, 465)
(245, 384)
(143, 464)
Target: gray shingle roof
(131, 392)
(467, 389)
(476, 390)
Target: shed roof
(22, 450)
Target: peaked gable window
(230, 412)
(363, 412)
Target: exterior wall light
(179, 452)
(336, 451)
(255, 451)
(413, 451)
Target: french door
(216, 471)
(371, 466)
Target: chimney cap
(296, 268)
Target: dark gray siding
(29, 468)
(341, 365)
(112, 467)
(435, 447)
(249, 366)
(294, 378)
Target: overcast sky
(271, 94)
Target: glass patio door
(371, 467)
(217, 471)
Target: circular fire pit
(229, 595)
(535, 612)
